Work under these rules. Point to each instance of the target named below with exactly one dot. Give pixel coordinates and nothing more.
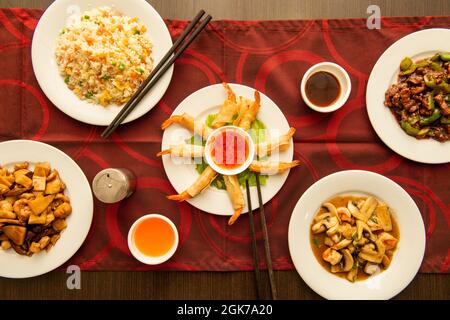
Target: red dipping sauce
(229, 150)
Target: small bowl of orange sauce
(229, 150)
(325, 87)
(153, 239)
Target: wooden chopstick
(273, 287)
(159, 70)
(254, 246)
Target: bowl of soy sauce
(325, 87)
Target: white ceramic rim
(78, 223)
(406, 260)
(224, 171)
(181, 176)
(146, 259)
(340, 74)
(417, 45)
(52, 84)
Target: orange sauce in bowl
(230, 150)
(154, 237)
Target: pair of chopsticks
(273, 288)
(183, 41)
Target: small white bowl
(340, 74)
(147, 259)
(210, 160)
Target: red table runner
(270, 56)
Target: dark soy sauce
(322, 89)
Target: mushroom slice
(332, 209)
(331, 222)
(369, 248)
(369, 207)
(352, 275)
(342, 244)
(355, 211)
(15, 233)
(360, 242)
(318, 227)
(336, 238)
(333, 230)
(332, 256)
(348, 260)
(322, 216)
(17, 190)
(368, 252)
(362, 226)
(371, 268)
(375, 258)
(336, 268)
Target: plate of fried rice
(90, 57)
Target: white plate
(199, 104)
(78, 223)
(406, 260)
(417, 45)
(52, 83)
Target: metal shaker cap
(111, 185)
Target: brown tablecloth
(270, 56)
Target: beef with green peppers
(420, 100)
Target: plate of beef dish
(408, 96)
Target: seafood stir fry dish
(354, 237)
(240, 112)
(420, 100)
(33, 208)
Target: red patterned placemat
(268, 55)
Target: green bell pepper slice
(445, 56)
(406, 63)
(408, 128)
(429, 120)
(430, 81)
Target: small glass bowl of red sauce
(325, 87)
(229, 150)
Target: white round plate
(78, 223)
(416, 45)
(199, 105)
(406, 260)
(46, 70)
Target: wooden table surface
(218, 285)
